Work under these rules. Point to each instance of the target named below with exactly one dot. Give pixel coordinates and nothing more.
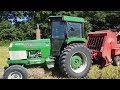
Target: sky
(20, 20)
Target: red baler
(104, 46)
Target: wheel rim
(118, 62)
(78, 62)
(15, 75)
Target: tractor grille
(95, 42)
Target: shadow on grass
(49, 73)
(55, 72)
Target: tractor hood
(30, 45)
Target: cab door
(57, 38)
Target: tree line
(11, 29)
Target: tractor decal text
(29, 45)
(19, 44)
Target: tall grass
(108, 72)
(5, 43)
(3, 56)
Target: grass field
(109, 72)
(3, 56)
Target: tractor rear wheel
(75, 61)
(116, 61)
(15, 72)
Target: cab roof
(69, 18)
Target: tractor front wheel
(15, 72)
(75, 61)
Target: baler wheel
(116, 61)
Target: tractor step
(50, 62)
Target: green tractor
(66, 46)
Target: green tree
(9, 31)
(96, 20)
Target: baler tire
(65, 61)
(15, 70)
(116, 61)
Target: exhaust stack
(38, 33)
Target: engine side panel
(43, 45)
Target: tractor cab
(64, 29)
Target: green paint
(73, 19)
(32, 61)
(82, 40)
(28, 61)
(18, 61)
(43, 45)
(37, 60)
(70, 18)
(76, 61)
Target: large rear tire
(15, 72)
(75, 61)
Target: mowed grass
(109, 72)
